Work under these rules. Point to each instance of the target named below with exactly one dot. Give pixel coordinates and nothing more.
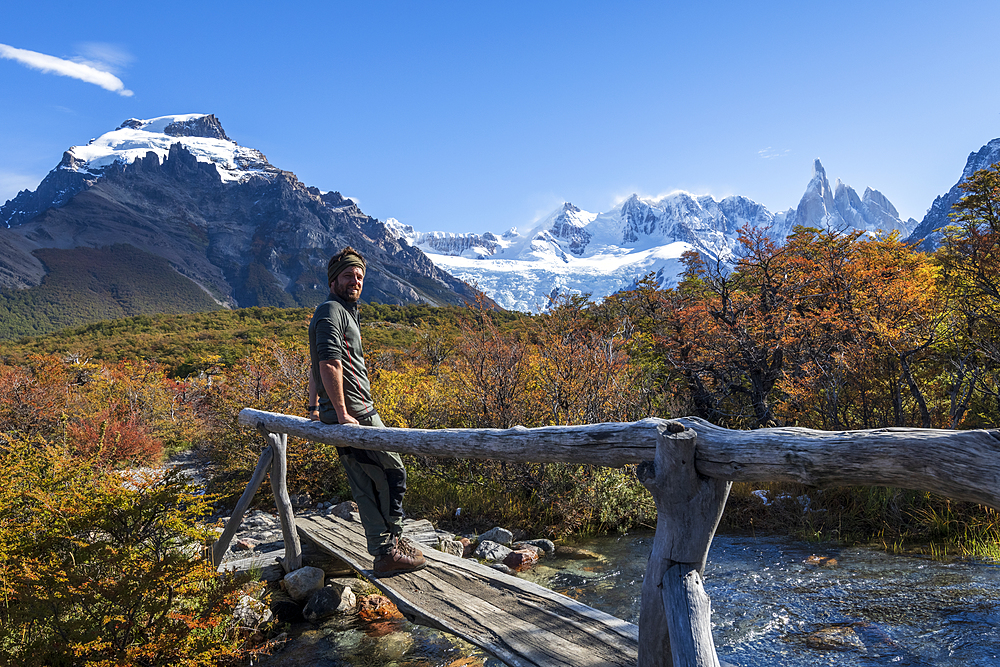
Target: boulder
(348, 511)
(500, 567)
(491, 551)
(498, 535)
(302, 583)
(524, 546)
(245, 544)
(468, 548)
(329, 600)
(545, 545)
(452, 547)
(521, 560)
(285, 609)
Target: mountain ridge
(244, 231)
(579, 252)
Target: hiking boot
(403, 556)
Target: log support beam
(674, 624)
(272, 460)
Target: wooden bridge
(688, 465)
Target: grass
(896, 520)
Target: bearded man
(339, 393)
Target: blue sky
(480, 116)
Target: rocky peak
(568, 229)
(208, 127)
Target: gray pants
(378, 482)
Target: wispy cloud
(76, 70)
(103, 56)
(770, 153)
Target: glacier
(572, 251)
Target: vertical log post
(279, 469)
(674, 624)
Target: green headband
(334, 269)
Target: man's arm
(332, 374)
(313, 399)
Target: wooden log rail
(688, 465)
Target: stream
(767, 603)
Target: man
(339, 380)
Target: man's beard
(346, 294)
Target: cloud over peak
(51, 65)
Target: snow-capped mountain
(242, 230)
(201, 135)
(840, 208)
(577, 252)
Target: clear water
(904, 611)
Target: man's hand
(348, 419)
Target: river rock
(545, 545)
(452, 547)
(391, 648)
(835, 638)
(303, 582)
(329, 600)
(822, 561)
(574, 553)
(524, 546)
(468, 547)
(521, 560)
(491, 551)
(498, 535)
(348, 511)
(500, 567)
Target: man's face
(348, 284)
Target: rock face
(841, 208)
(927, 233)
(246, 232)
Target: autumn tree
(970, 261)
(581, 368)
(492, 371)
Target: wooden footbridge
(688, 465)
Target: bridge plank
(519, 622)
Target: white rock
(302, 583)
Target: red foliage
(114, 438)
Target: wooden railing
(688, 465)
